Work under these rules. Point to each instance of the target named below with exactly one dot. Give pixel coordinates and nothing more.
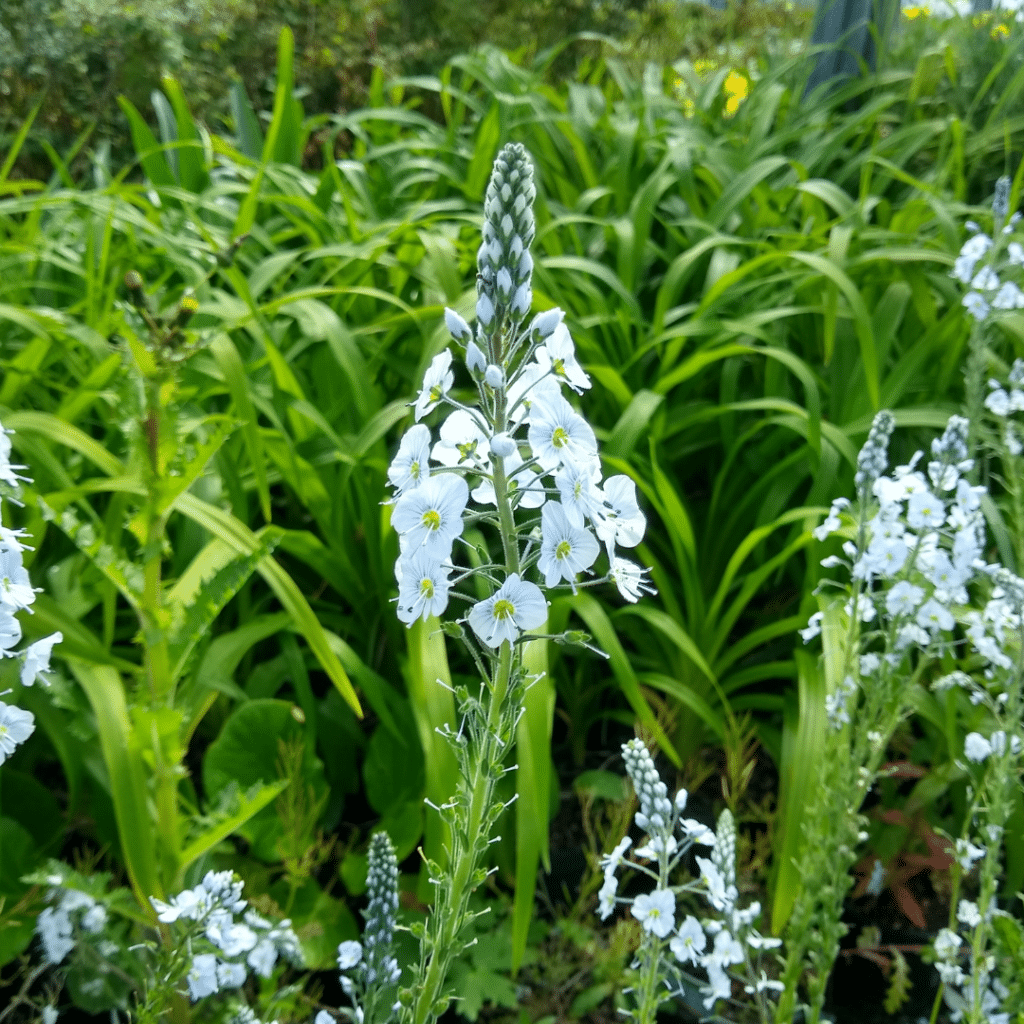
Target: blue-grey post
(848, 29)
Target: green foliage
(745, 287)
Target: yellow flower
(704, 66)
(910, 13)
(688, 107)
(736, 87)
(1000, 32)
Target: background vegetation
(747, 276)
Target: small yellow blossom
(910, 13)
(736, 87)
(688, 107)
(704, 66)
(1000, 32)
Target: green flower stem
(450, 909)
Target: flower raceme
(519, 449)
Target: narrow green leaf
(128, 775)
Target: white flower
(976, 747)
(462, 442)
(559, 435)
(423, 586)
(975, 304)
(94, 919)
(688, 943)
(577, 487)
(813, 627)
(437, 382)
(764, 984)
(619, 519)
(967, 913)
(349, 954)
(719, 896)
(55, 930)
(431, 515)
(558, 357)
(947, 945)
(934, 616)
(697, 832)
(610, 862)
(230, 975)
(515, 606)
(16, 590)
(654, 848)
(606, 897)
(1009, 297)
(37, 659)
(903, 599)
(832, 521)
(262, 957)
(16, 725)
(630, 579)
(656, 911)
(411, 466)
(529, 387)
(202, 976)
(235, 939)
(50, 1014)
(924, 510)
(985, 280)
(967, 853)
(565, 550)
(719, 986)
(7, 474)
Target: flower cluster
(237, 945)
(962, 989)
(72, 910)
(522, 448)
(733, 939)
(989, 285)
(373, 963)
(922, 547)
(17, 594)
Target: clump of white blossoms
(16, 595)
(920, 590)
(725, 945)
(520, 459)
(992, 274)
(222, 938)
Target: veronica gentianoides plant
(523, 462)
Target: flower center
(564, 550)
(558, 366)
(427, 587)
(432, 519)
(467, 450)
(504, 609)
(560, 437)
(414, 470)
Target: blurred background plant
(747, 278)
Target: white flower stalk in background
(370, 972)
(914, 556)
(17, 595)
(720, 944)
(498, 462)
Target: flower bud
(476, 362)
(494, 376)
(544, 324)
(484, 310)
(460, 330)
(502, 445)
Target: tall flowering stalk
(524, 462)
(726, 945)
(913, 547)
